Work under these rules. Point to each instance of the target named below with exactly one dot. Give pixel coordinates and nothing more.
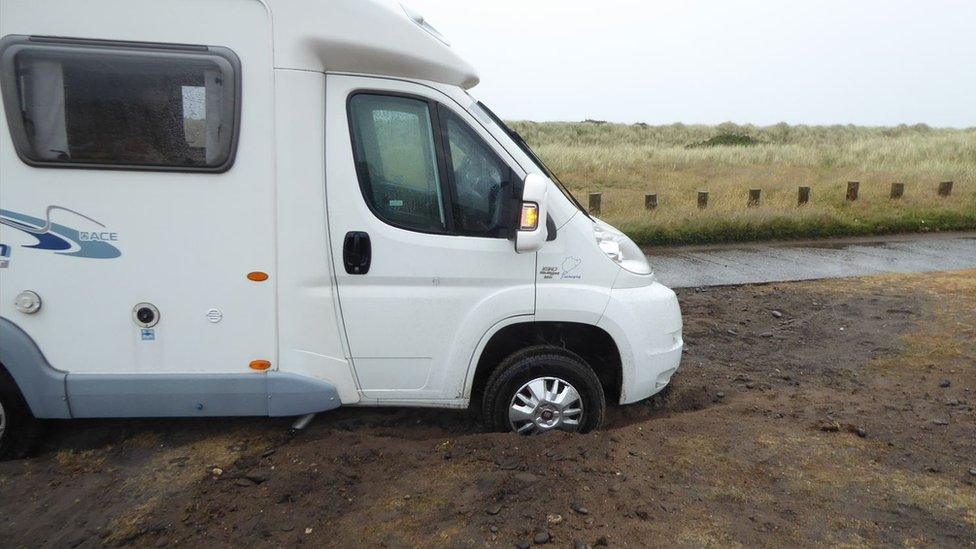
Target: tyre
(18, 428)
(541, 389)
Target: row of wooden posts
(755, 196)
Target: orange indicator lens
(530, 216)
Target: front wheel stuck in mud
(543, 388)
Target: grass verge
(719, 230)
(626, 161)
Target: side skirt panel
(197, 395)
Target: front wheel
(18, 428)
(542, 389)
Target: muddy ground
(833, 412)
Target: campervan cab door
(417, 177)
(140, 179)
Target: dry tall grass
(625, 161)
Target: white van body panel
(574, 277)
(187, 240)
(309, 328)
(363, 36)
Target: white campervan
(277, 207)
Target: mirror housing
(532, 231)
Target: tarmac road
(697, 266)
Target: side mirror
(532, 230)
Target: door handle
(356, 252)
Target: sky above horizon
(866, 62)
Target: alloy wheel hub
(544, 404)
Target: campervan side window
(482, 183)
(396, 160)
(422, 168)
(121, 105)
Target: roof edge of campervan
(381, 37)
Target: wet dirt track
(810, 413)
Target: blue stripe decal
(58, 238)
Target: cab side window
(481, 181)
(393, 143)
(421, 167)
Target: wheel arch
(590, 342)
(41, 385)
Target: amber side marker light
(260, 365)
(257, 276)
(530, 216)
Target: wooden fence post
(802, 196)
(595, 199)
(945, 188)
(755, 195)
(650, 201)
(897, 190)
(702, 200)
(852, 188)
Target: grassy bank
(626, 161)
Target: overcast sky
(873, 62)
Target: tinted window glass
(123, 106)
(482, 182)
(393, 143)
(532, 156)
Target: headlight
(620, 248)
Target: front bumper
(645, 323)
(654, 375)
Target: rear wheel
(542, 389)
(18, 428)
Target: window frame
(10, 45)
(445, 173)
